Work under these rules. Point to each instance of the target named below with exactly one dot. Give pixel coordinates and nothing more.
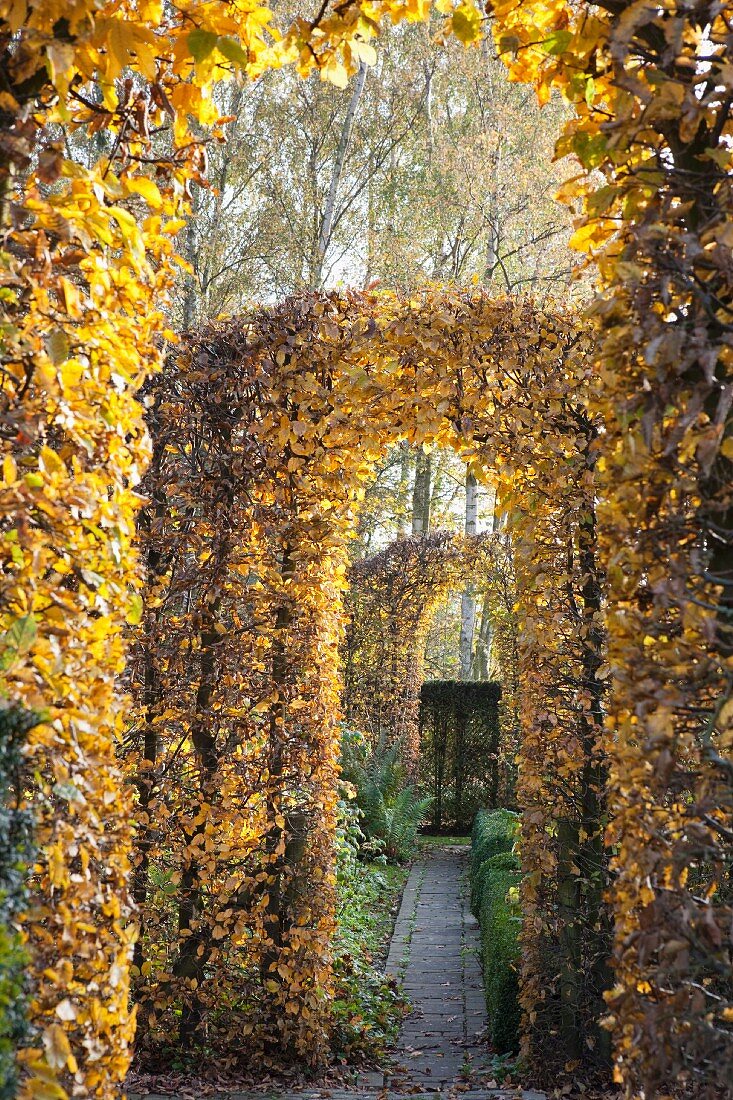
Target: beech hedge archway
(392, 597)
(650, 130)
(265, 430)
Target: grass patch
(368, 1007)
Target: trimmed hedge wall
(495, 876)
(15, 855)
(460, 740)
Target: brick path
(435, 952)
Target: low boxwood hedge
(495, 876)
(494, 831)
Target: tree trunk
(421, 493)
(274, 922)
(194, 937)
(403, 511)
(438, 481)
(492, 241)
(468, 598)
(593, 857)
(329, 212)
(569, 905)
(151, 687)
(192, 254)
(482, 651)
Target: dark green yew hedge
(495, 876)
(460, 740)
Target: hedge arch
(265, 430)
(650, 86)
(392, 597)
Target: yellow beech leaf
(72, 298)
(10, 470)
(364, 51)
(136, 608)
(147, 189)
(466, 24)
(70, 373)
(335, 72)
(50, 462)
(57, 346)
(57, 870)
(44, 1088)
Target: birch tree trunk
(481, 660)
(468, 598)
(481, 656)
(329, 212)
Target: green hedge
(460, 737)
(495, 876)
(493, 832)
(15, 854)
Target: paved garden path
(435, 953)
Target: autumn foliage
(652, 87)
(611, 448)
(265, 431)
(391, 601)
(88, 259)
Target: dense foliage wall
(461, 749)
(652, 90)
(234, 754)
